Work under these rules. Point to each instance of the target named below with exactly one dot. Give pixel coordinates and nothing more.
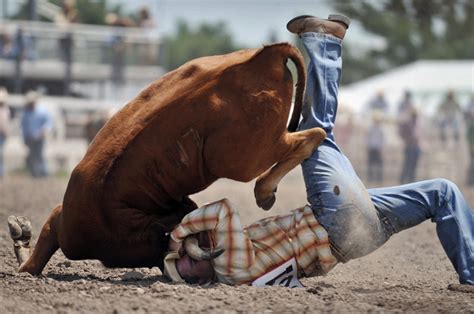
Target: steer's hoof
(20, 228)
(267, 203)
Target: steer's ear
(170, 269)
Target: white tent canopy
(428, 80)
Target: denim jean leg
(40, 162)
(43, 168)
(441, 201)
(29, 157)
(338, 197)
(35, 160)
(324, 73)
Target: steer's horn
(191, 246)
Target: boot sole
(340, 18)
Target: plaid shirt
(264, 245)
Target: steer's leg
(301, 145)
(20, 231)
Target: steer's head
(192, 264)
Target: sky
(251, 22)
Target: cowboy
(354, 219)
(288, 246)
(36, 122)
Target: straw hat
(3, 94)
(170, 269)
(32, 96)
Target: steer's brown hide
(214, 117)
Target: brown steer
(214, 117)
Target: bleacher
(78, 55)
(82, 70)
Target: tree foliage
(91, 11)
(190, 43)
(412, 30)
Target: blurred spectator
(36, 122)
(19, 46)
(113, 19)
(68, 14)
(404, 118)
(118, 46)
(406, 105)
(469, 107)
(379, 103)
(409, 133)
(145, 19)
(449, 112)
(375, 147)
(469, 113)
(6, 45)
(4, 125)
(344, 127)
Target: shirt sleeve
(234, 264)
(205, 218)
(223, 222)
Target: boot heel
(340, 18)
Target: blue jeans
(35, 161)
(359, 220)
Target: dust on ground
(409, 273)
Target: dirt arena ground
(409, 273)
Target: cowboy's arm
(234, 264)
(206, 218)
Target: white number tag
(284, 275)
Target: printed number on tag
(284, 275)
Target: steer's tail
(295, 55)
